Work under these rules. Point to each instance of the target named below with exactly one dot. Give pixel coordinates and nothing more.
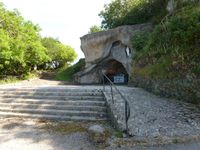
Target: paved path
(19, 134)
(23, 134)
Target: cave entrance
(115, 72)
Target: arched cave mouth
(115, 72)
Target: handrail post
(126, 115)
(104, 89)
(112, 93)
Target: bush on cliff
(173, 49)
(130, 12)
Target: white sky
(66, 20)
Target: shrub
(177, 39)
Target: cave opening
(116, 72)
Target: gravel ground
(187, 146)
(153, 116)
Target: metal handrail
(127, 107)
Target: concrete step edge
(48, 106)
(58, 102)
(51, 90)
(10, 100)
(51, 97)
(51, 94)
(52, 111)
(50, 117)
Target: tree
(21, 48)
(114, 13)
(94, 29)
(58, 52)
(129, 12)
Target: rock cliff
(106, 47)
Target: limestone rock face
(98, 45)
(108, 50)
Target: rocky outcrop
(97, 46)
(108, 47)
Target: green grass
(66, 73)
(65, 127)
(9, 79)
(118, 134)
(14, 79)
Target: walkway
(152, 117)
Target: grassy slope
(66, 73)
(172, 50)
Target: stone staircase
(54, 103)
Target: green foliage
(139, 40)
(5, 79)
(174, 46)
(94, 29)
(114, 13)
(8, 79)
(146, 11)
(29, 75)
(118, 134)
(20, 44)
(21, 47)
(128, 12)
(59, 52)
(197, 69)
(66, 73)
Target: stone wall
(187, 90)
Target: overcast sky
(66, 20)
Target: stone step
(72, 90)
(52, 93)
(50, 117)
(54, 102)
(57, 107)
(56, 112)
(52, 97)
